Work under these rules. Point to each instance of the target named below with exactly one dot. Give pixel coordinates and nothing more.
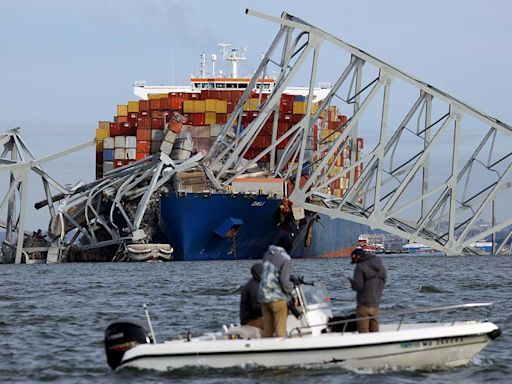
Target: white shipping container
(108, 143)
(203, 132)
(215, 130)
(131, 142)
(185, 135)
(120, 142)
(166, 147)
(157, 135)
(119, 154)
(170, 136)
(183, 143)
(108, 166)
(274, 186)
(131, 153)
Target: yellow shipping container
(221, 106)
(325, 134)
(251, 105)
(210, 118)
(122, 110)
(133, 106)
(102, 133)
(199, 106)
(104, 125)
(154, 96)
(188, 106)
(210, 105)
(299, 107)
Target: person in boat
(276, 288)
(368, 281)
(250, 307)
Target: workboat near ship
(199, 220)
(314, 337)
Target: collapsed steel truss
(402, 193)
(18, 161)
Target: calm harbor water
(52, 317)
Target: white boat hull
(419, 347)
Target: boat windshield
(315, 296)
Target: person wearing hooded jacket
(368, 281)
(250, 308)
(276, 289)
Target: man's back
(275, 279)
(369, 280)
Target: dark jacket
(250, 307)
(369, 280)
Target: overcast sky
(64, 65)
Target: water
(52, 317)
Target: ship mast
(235, 55)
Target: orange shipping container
(143, 134)
(144, 146)
(141, 155)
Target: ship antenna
(236, 55)
(214, 59)
(203, 64)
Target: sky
(64, 65)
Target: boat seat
(245, 332)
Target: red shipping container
(296, 118)
(127, 129)
(141, 155)
(165, 103)
(132, 117)
(99, 157)
(282, 144)
(115, 129)
(282, 128)
(194, 96)
(221, 118)
(360, 143)
(157, 123)
(197, 118)
(143, 105)
(231, 105)
(144, 122)
(121, 119)
(154, 104)
(143, 134)
(118, 163)
(144, 113)
(157, 113)
(144, 146)
(176, 102)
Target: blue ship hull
(230, 227)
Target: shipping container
(133, 106)
(155, 146)
(142, 155)
(210, 105)
(131, 153)
(144, 145)
(103, 124)
(108, 166)
(120, 142)
(131, 142)
(119, 153)
(143, 134)
(122, 109)
(108, 143)
(108, 155)
(166, 147)
(210, 118)
(157, 135)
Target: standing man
(276, 288)
(250, 308)
(368, 281)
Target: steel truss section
(17, 160)
(438, 171)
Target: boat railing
(401, 314)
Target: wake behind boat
(313, 338)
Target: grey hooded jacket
(369, 280)
(275, 280)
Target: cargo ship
(205, 223)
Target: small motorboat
(148, 252)
(314, 337)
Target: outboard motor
(121, 336)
